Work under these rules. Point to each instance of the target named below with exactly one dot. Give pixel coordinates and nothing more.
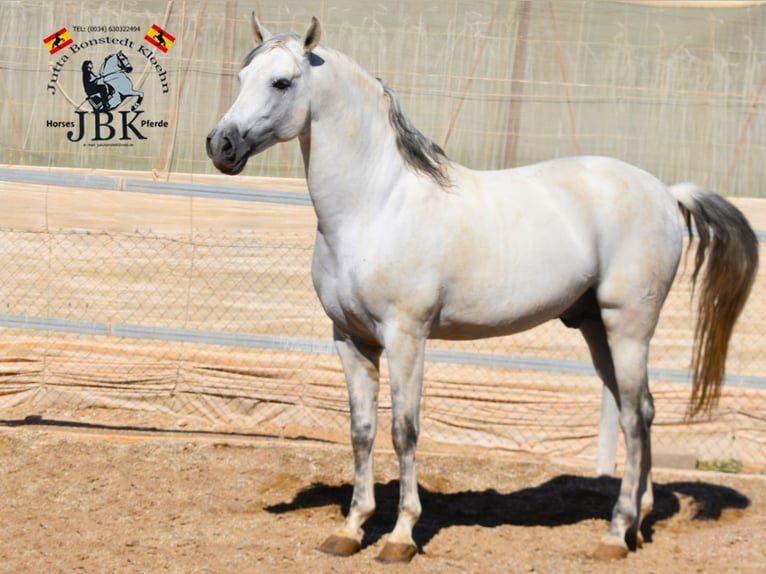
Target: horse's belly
(468, 316)
(534, 278)
(459, 331)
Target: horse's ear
(312, 36)
(260, 33)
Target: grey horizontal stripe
(216, 192)
(166, 334)
(223, 338)
(53, 324)
(116, 183)
(327, 347)
(39, 177)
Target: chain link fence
(220, 329)
(168, 299)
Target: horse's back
(604, 199)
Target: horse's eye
(282, 84)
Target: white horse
(411, 246)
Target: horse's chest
(349, 291)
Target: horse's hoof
(397, 552)
(340, 546)
(606, 551)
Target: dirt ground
(77, 498)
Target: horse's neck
(350, 153)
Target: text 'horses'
(411, 246)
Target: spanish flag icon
(159, 37)
(58, 41)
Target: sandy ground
(79, 499)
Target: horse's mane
(418, 151)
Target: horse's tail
(730, 246)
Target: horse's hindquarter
(529, 242)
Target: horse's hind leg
(620, 357)
(361, 367)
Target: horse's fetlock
(364, 510)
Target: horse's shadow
(565, 499)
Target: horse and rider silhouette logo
(107, 90)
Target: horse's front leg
(405, 351)
(361, 364)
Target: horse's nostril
(228, 149)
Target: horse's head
(273, 104)
(117, 62)
(123, 63)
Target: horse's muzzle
(227, 149)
